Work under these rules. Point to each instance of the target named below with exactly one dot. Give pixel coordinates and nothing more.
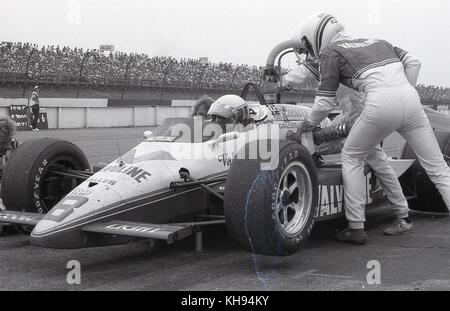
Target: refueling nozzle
(332, 133)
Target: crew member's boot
(352, 236)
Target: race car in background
(167, 189)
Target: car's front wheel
(271, 212)
(29, 182)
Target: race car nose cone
(69, 239)
(44, 226)
(59, 214)
(62, 227)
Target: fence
(163, 81)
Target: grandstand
(66, 70)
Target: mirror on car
(224, 138)
(147, 134)
(228, 136)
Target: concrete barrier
(69, 113)
(72, 118)
(72, 113)
(183, 103)
(58, 102)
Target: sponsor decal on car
(109, 182)
(227, 159)
(138, 174)
(13, 217)
(290, 125)
(37, 187)
(128, 228)
(285, 114)
(65, 208)
(80, 192)
(331, 197)
(162, 139)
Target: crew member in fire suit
(352, 103)
(387, 76)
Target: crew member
(352, 103)
(34, 103)
(7, 145)
(387, 76)
(202, 106)
(7, 141)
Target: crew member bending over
(387, 75)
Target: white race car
(268, 190)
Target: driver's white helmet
(317, 31)
(231, 109)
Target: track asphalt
(418, 261)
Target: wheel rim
(294, 199)
(53, 187)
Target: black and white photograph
(225, 151)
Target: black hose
(332, 133)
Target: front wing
(20, 218)
(169, 233)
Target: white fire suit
(386, 75)
(352, 104)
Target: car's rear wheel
(416, 181)
(271, 212)
(29, 182)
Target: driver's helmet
(317, 31)
(229, 109)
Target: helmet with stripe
(230, 109)
(317, 31)
(313, 67)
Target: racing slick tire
(272, 212)
(416, 181)
(28, 185)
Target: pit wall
(103, 113)
(66, 113)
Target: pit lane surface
(417, 261)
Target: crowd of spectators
(63, 64)
(434, 93)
